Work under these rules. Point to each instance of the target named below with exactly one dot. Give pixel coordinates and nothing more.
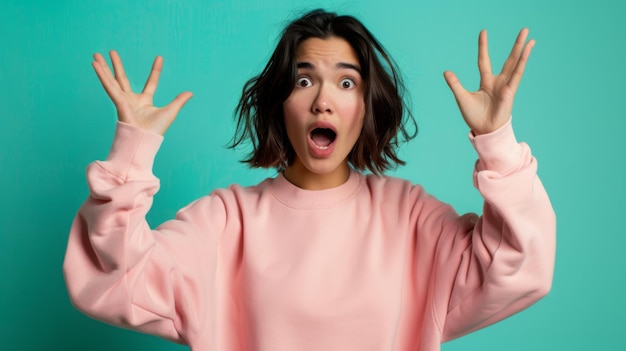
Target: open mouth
(323, 137)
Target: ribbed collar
(298, 198)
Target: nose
(323, 101)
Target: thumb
(177, 104)
(455, 85)
(168, 113)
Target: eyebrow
(340, 65)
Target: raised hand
(133, 108)
(491, 106)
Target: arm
(495, 265)
(500, 263)
(116, 268)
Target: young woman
(323, 256)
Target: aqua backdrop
(55, 118)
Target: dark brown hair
(260, 116)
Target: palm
(137, 108)
(491, 106)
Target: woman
(323, 256)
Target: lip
(315, 150)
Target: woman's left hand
(491, 106)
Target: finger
(516, 77)
(455, 85)
(118, 67)
(153, 79)
(105, 66)
(177, 104)
(511, 61)
(484, 62)
(171, 111)
(106, 78)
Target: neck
(301, 177)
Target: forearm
(111, 247)
(506, 260)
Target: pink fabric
(375, 264)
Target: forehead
(331, 50)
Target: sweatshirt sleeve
(120, 271)
(495, 265)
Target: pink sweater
(374, 264)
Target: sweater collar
(298, 198)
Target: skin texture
(491, 106)
(328, 92)
(137, 108)
(327, 99)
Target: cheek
(294, 107)
(357, 106)
(291, 120)
(357, 113)
(358, 127)
(290, 112)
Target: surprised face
(324, 113)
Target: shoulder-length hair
(259, 112)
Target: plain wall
(55, 118)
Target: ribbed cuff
(499, 150)
(133, 151)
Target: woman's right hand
(133, 108)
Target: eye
(303, 82)
(347, 83)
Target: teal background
(55, 118)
